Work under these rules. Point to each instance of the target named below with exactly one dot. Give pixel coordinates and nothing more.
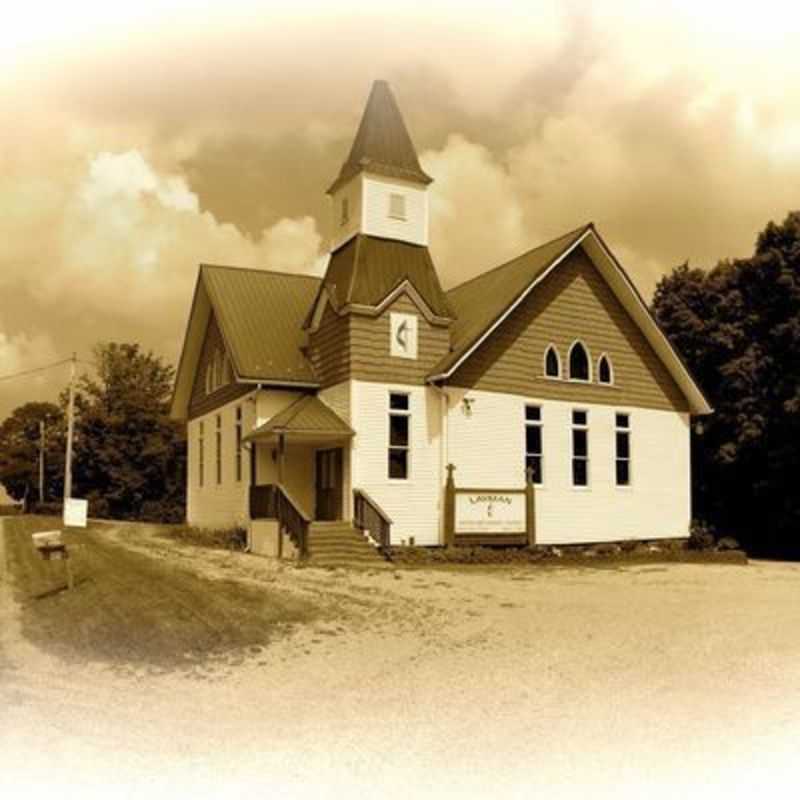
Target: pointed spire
(382, 144)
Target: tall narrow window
(604, 371)
(399, 435)
(397, 206)
(552, 364)
(201, 454)
(578, 362)
(219, 448)
(345, 211)
(238, 444)
(533, 442)
(580, 448)
(623, 449)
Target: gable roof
(484, 302)
(366, 269)
(307, 415)
(382, 145)
(260, 315)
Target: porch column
(281, 456)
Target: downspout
(443, 450)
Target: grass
(132, 609)
(219, 539)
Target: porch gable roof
(307, 415)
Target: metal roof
(365, 269)
(481, 301)
(261, 316)
(382, 144)
(308, 415)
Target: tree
(19, 451)
(129, 455)
(738, 326)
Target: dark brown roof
(382, 144)
(307, 415)
(481, 301)
(261, 317)
(366, 269)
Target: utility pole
(41, 460)
(70, 429)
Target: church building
(537, 403)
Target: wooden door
(329, 484)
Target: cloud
(476, 219)
(214, 137)
(114, 254)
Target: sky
(138, 142)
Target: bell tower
(381, 189)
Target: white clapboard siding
(412, 504)
(375, 210)
(220, 505)
(486, 443)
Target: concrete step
(334, 544)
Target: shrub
(222, 538)
(701, 535)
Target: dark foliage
(129, 455)
(738, 327)
(19, 452)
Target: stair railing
(370, 517)
(273, 501)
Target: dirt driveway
(657, 681)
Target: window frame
(398, 412)
(625, 430)
(218, 438)
(534, 423)
(201, 453)
(588, 354)
(238, 458)
(579, 426)
(551, 348)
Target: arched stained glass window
(578, 362)
(552, 363)
(604, 372)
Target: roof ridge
(585, 227)
(285, 273)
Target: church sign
(490, 511)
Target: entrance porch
(300, 483)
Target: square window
(398, 430)
(580, 417)
(580, 472)
(580, 443)
(533, 439)
(533, 413)
(398, 464)
(535, 463)
(623, 420)
(623, 472)
(398, 401)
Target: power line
(34, 371)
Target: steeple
(382, 145)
